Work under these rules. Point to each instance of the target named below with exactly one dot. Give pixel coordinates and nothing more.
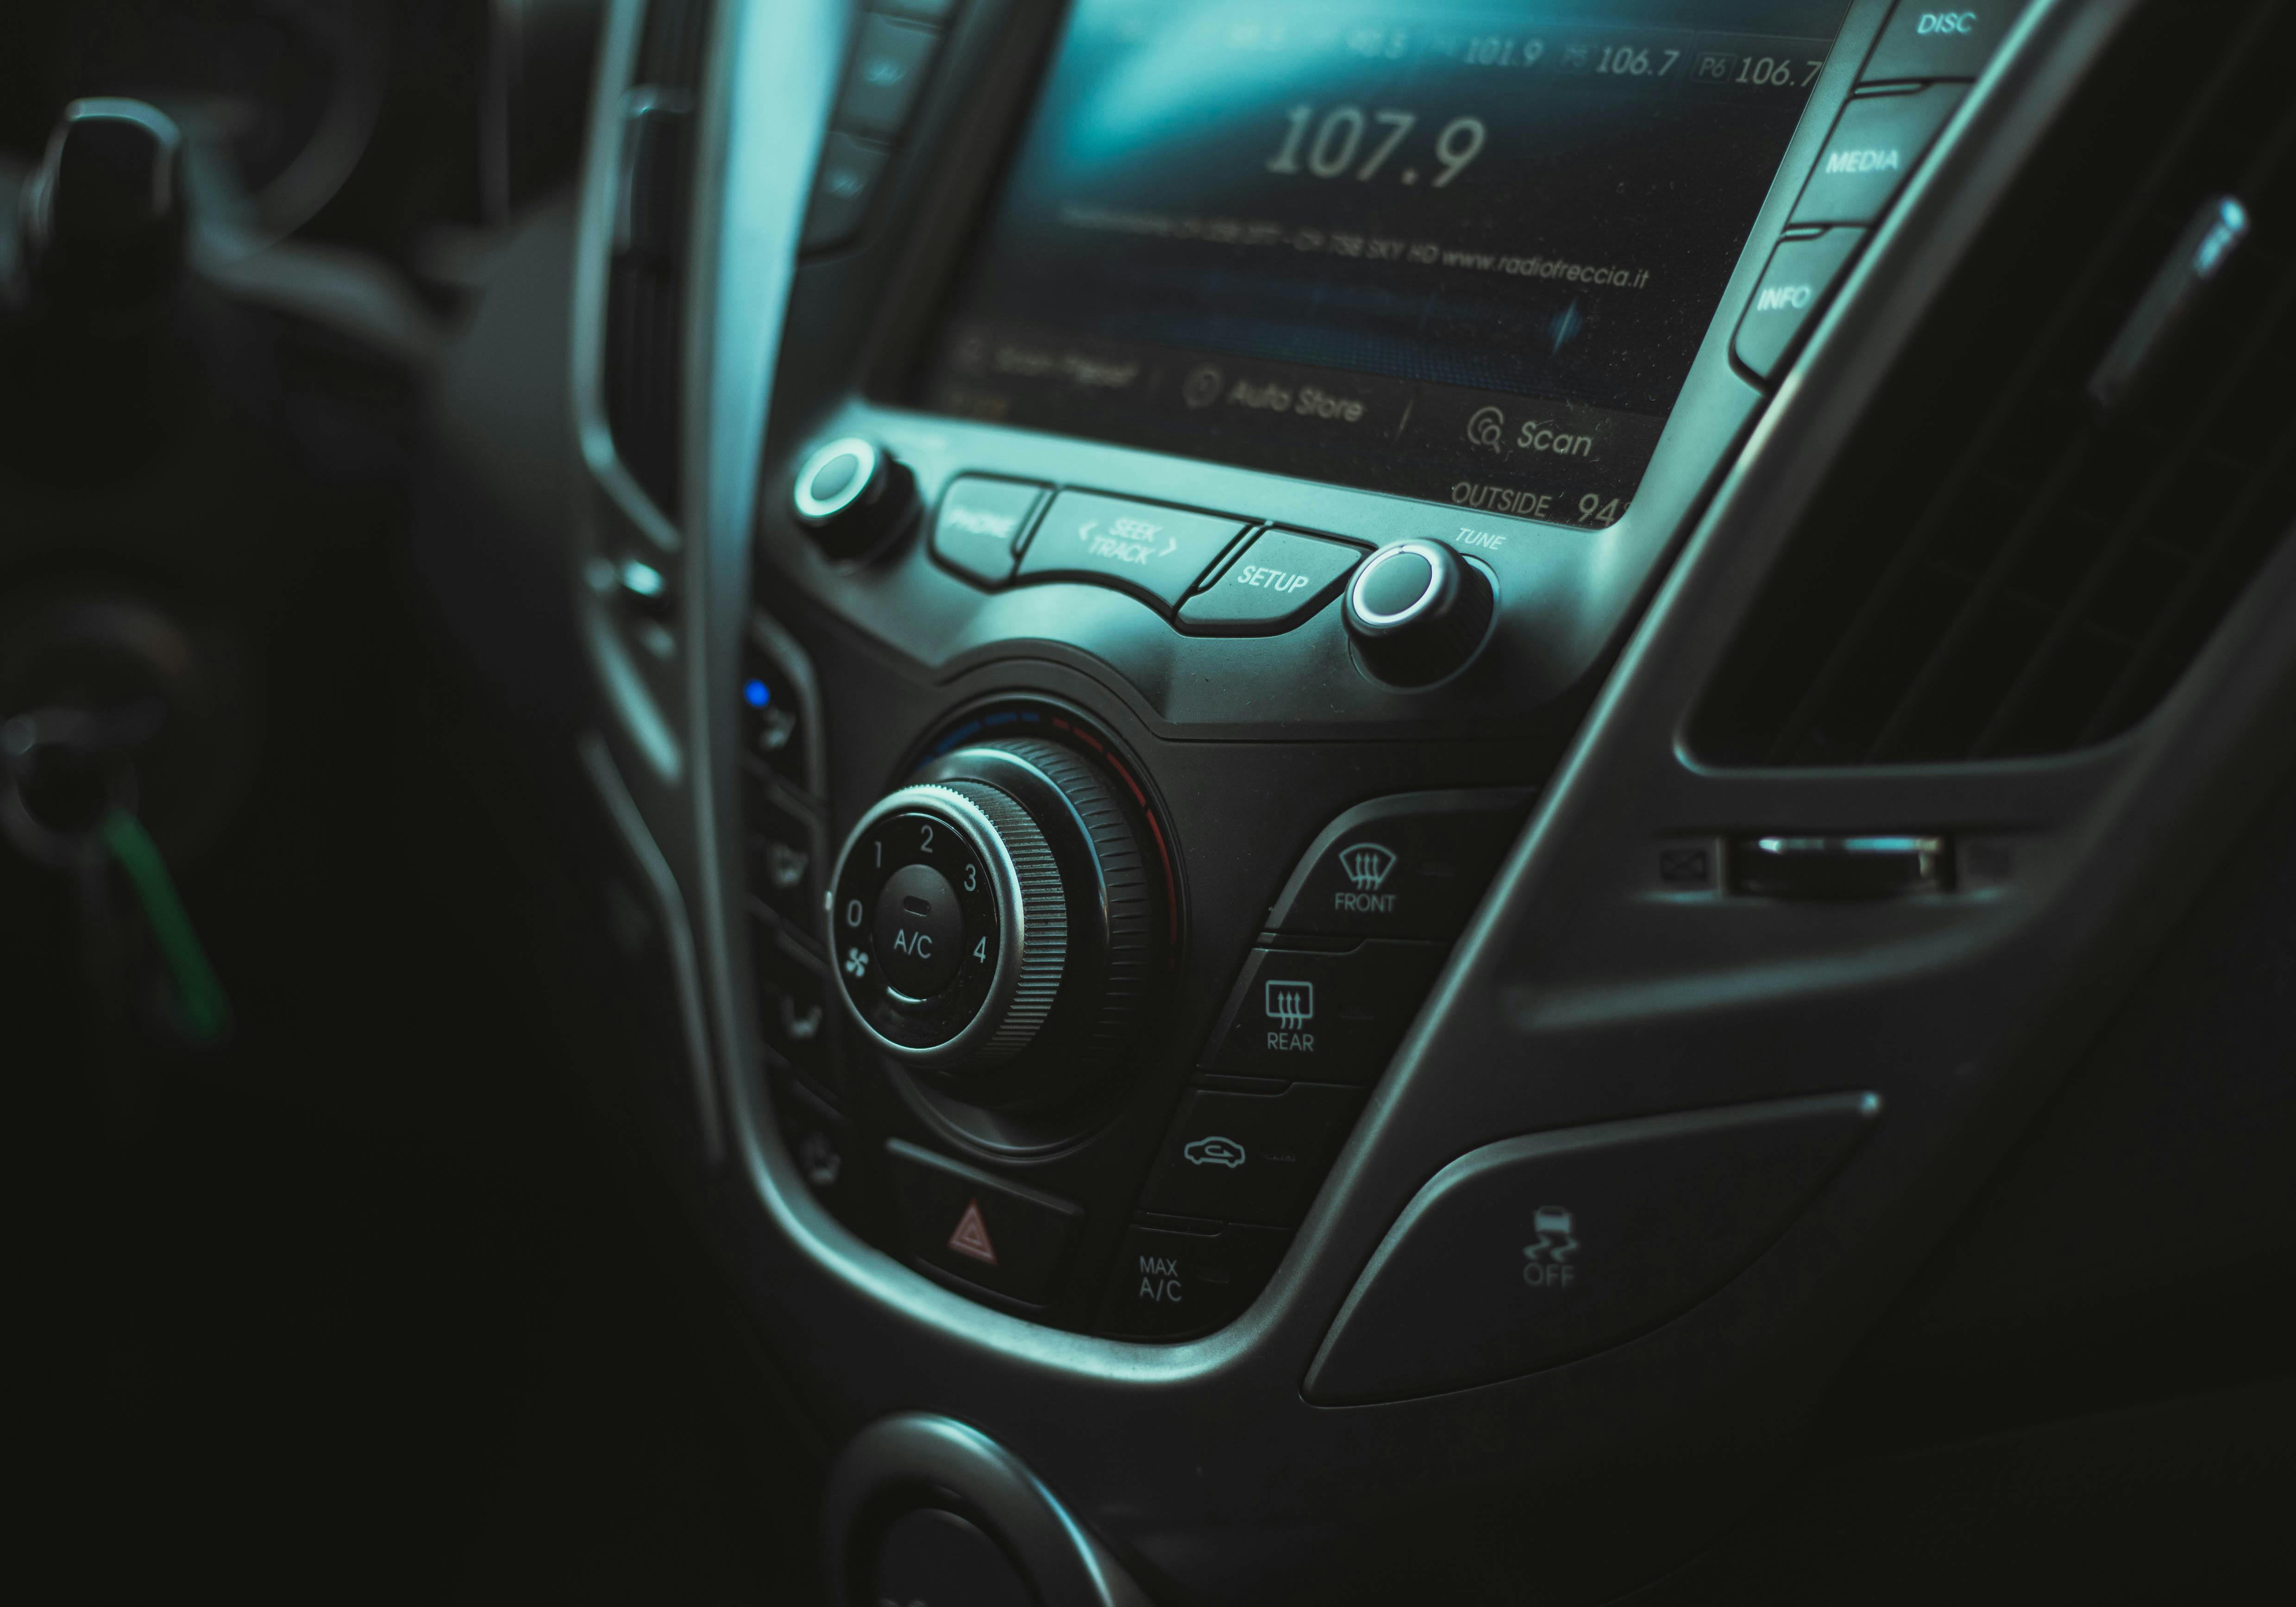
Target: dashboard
(1353, 801)
(1290, 955)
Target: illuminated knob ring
(977, 1021)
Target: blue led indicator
(756, 694)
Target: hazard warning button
(970, 1224)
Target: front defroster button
(1411, 866)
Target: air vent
(646, 285)
(2001, 565)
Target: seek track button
(1156, 552)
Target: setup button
(1282, 578)
(1156, 553)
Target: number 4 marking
(980, 951)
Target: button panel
(1414, 865)
(1274, 584)
(1008, 1240)
(1154, 552)
(1253, 1157)
(1329, 1017)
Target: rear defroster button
(1322, 1017)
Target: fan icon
(856, 964)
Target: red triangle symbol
(972, 1236)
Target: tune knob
(1418, 613)
(852, 498)
(992, 920)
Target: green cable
(197, 988)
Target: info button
(1156, 551)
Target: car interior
(1151, 803)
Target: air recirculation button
(991, 922)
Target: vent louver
(1997, 567)
(646, 285)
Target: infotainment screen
(1460, 249)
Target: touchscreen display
(1463, 251)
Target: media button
(1879, 140)
(1278, 582)
(981, 525)
(1156, 553)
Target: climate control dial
(992, 921)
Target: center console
(1361, 754)
(1156, 654)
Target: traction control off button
(1533, 1251)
